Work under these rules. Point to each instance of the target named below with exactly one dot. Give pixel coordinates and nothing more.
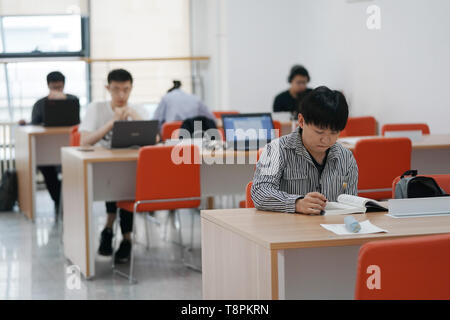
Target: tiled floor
(32, 264)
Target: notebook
(347, 204)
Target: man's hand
(56, 95)
(120, 114)
(313, 203)
(131, 113)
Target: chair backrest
(168, 128)
(411, 268)
(405, 127)
(161, 174)
(443, 180)
(248, 196)
(359, 126)
(218, 114)
(277, 127)
(75, 137)
(379, 161)
(248, 189)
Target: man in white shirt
(96, 129)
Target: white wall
(398, 74)
(252, 44)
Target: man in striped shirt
(300, 172)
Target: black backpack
(8, 190)
(415, 186)
(207, 124)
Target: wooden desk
(430, 155)
(36, 145)
(250, 254)
(110, 175)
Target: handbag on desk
(413, 186)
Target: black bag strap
(412, 173)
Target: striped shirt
(286, 172)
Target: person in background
(96, 129)
(178, 105)
(300, 172)
(289, 100)
(56, 83)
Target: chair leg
(115, 227)
(180, 236)
(147, 232)
(133, 238)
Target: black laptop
(248, 131)
(134, 134)
(61, 113)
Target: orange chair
(218, 114)
(405, 127)
(168, 128)
(443, 180)
(277, 127)
(412, 268)
(248, 196)
(75, 137)
(163, 184)
(379, 161)
(359, 126)
(248, 203)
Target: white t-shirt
(98, 114)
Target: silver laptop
(134, 134)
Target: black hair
(325, 108)
(55, 76)
(176, 85)
(298, 70)
(119, 75)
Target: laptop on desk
(61, 113)
(134, 134)
(248, 131)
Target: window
(41, 35)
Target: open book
(352, 204)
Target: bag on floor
(8, 190)
(413, 186)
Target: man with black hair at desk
(300, 172)
(56, 83)
(290, 99)
(96, 129)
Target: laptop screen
(242, 127)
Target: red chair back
(158, 176)
(443, 180)
(75, 137)
(248, 196)
(359, 126)
(277, 127)
(379, 161)
(412, 268)
(218, 114)
(168, 128)
(405, 127)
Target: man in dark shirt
(55, 82)
(289, 100)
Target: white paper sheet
(366, 228)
